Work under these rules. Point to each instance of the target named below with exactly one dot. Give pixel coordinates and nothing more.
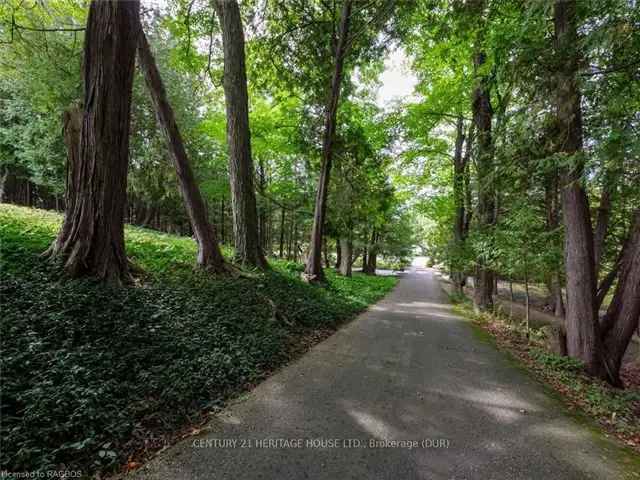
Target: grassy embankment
(93, 377)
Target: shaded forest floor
(96, 377)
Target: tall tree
(459, 167)
(91, 240)
(313, 270)
(581, 319)
(243, 197)
(482, 117)
(209, 254)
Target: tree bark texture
(71, 133)
(313, 269)
(241, 172)
(346, 249)
(93, 243)
(621, 319)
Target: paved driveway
(406, 391)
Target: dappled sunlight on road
(372, 425)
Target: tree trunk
(467, 181)
(483, 291)
(602, 224)
(553, 207)
(71, 132)
(290, 236)
(356, 255)
(372, 261)
(243, 198)
(369, 267)
(313, 269)
(527, 298)
(262, 208)
(482, 117)
(558, 302)
(607, 282)
(294, 240)
(459, 205)
(222, 221)
(3, 182)
(93, 242)
(581, 319)
(282, 223)
(621, 319)
(338, 254)
(346, 247)
(325, 250)
(209, 254)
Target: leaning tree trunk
(93, 242)
(581, 319)
(313, 270)
(209, 254)
(243, 197)
(621, 319)
(482, 117)
(346, 249)
(607, 282)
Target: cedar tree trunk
(581, 321)
(243, 197)
(93, 242)
(346, 248)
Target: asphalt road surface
(405, 391)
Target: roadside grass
(96, 378)
(616, 411)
